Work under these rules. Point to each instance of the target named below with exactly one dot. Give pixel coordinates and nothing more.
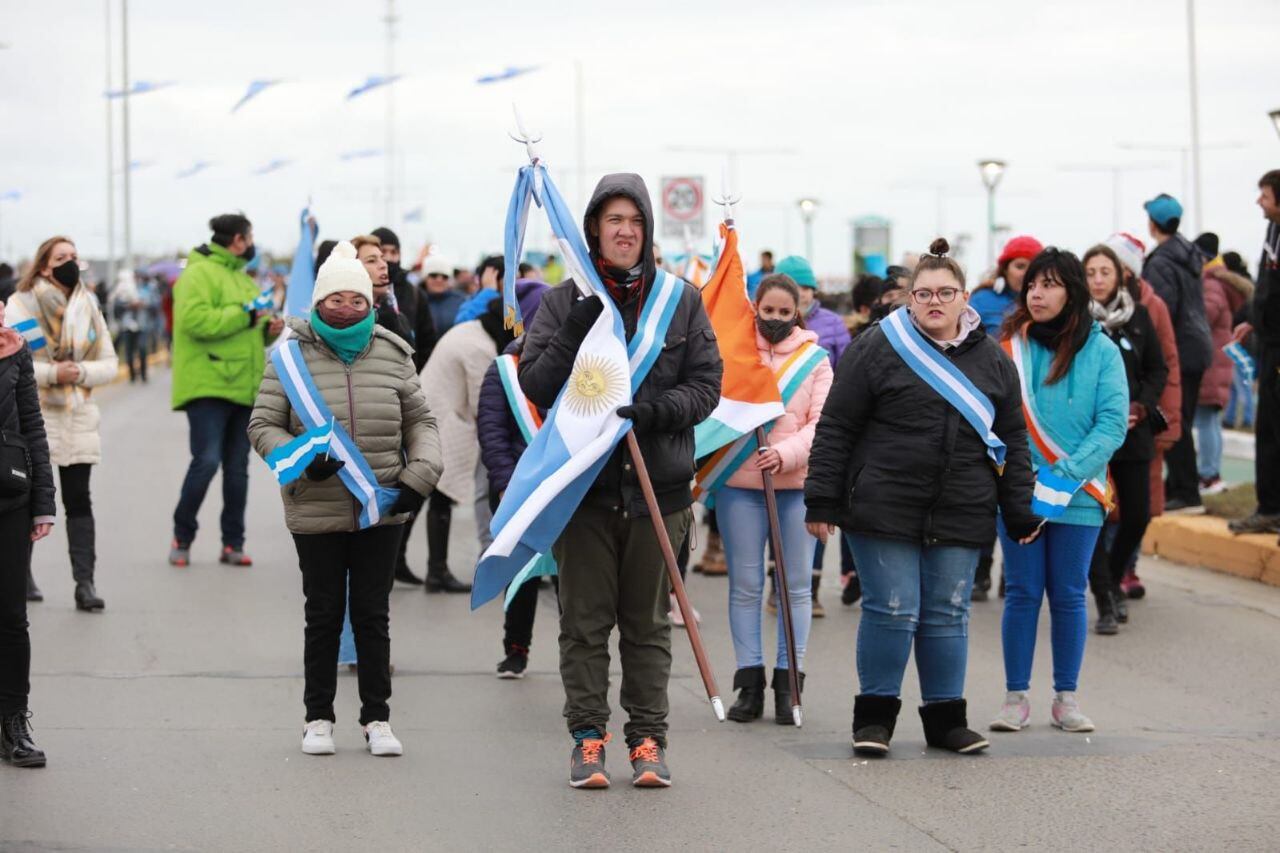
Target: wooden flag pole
(784, 592)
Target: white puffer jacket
(71, 417)
(451, 381)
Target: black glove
(647, 417)
(407, 501)
(583, 314)
(323, 469)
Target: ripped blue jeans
(913, 593)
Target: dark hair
(525, 268)
(1169, 228)
(781, 281)
(6, 271)
(1065, 268)
(767, 253)
(1123, 279)
(227, 226)
(938, 259)
(866, 291)
(323, 252)
(891, 276)
(1271, 179)
(1207, 243)
(497, 262)
(386, 236)
(1235, 263)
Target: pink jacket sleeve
(794, 449)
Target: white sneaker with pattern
(1014, 713)
(317, 738)
(1066, 714)
(381, 740)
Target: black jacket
(1147, 372)
(892, 458)
(20, 414)
(685, 377)
(413, 308)
(1266, 295)
(1173, 270)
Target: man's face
(376, 267)
(620, 229)
(766, 261)
(437, 282)
(1269, 203)
(390, 253)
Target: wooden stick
(673, 574)
(784, 593)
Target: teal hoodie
(1086, 412)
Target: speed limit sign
(682, 206)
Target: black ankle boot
(749, 683)
(439, 578)
(782, 696)
(947, 727)
(16, 745)
(1107, 623)
(81, 545)
(982, 579)
(874, 718)
(1121, 604)
(87, 597)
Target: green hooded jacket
(216, 352)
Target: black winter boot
(874, 718)
(1107, 623)
(439, 578)
(1121, 604)
(749, 683)
(16, 745)
(982, 579)
(947, 727)
(80, 545)
(782, 696)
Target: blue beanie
(799, 271)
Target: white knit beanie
(342, 272)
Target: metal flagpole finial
(523, 136)
(727, 198)
(718, 707)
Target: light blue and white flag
(583, 427)
(508, 73)
(265, 301)
(30, 329)
(302, 275)
(256, 87)
(1242, 360)
(373, 81)
(291, 369)
(1052, 493)
(288, 461)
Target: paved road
(173, 719)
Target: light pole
(389, 199)
(808, 209)
(111, 165)
(124, 110)
(1275, 119)
(1195, 111)
(992, 171)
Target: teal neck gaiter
(346, 343)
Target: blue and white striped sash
(30, 329)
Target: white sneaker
(317, 738)
(677, 618)
(381, 740)
(1067, 716)
(1014, 713)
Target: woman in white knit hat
(341, 370)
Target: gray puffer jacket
(378, 400)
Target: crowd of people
(1052, 411)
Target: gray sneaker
(586, 763)
(179, 553)
(1014, 713)
(1256, 523)
(1066, 713)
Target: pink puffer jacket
(1224, 294)
(792, 434)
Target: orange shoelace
(646, 750)
(591, 749)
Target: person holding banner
(803, 369)
(345, 512)
(1115, 304)
(920, 440)
(1075, 399)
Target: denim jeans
(913, 593)
(347, 642)
(744, 527)
(1058, 564)
(1208, 441)
(218, 436)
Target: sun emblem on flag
(594, 386)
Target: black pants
(326, 561)
(439, 509)
(134, 344)
(1133, 494)
(15, 642)
(1183, 480)
(1267, 451)
(517, 623)
(81, 536)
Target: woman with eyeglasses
(920, 440)
(56, 311)
(1076, 403)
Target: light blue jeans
(913, 594)
(347, 642)
(744, 528)
(1208, 441)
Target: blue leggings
(1058, 564)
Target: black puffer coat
(892, 458)
(1147, 373)
(20, 415)
(1173, 271)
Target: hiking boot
(1014, 714)
(874, 718)
(1066, 713)
(33, 591)
(1256, 523)
(852, 589)
(405, 575)
(381, 740)
(586, 762)
(1179, 506)
(782, 696)
(648, 764)
(749, 682)
(515, 663)
(16, 744)
(443, 580)
(234, 555)
(1107, 623)
(179, 553)
(317, 738)
(87, 598)
(713, 562)
(947, 727)
(1131, 586)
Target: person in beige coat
(72, 354)
(364, 376)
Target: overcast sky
(886, 107)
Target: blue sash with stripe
(30, 329)
(310, 407)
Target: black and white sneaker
(514, 664)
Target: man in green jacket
(219, 354)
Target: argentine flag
(288, 461)
(1052, 494)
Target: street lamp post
(992, 171)
(808, 209)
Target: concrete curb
(1205, 541)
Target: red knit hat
(1020, 247)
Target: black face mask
(67, 274)
(775, 331)
(393, 271)
(249, 253)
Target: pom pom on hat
(342, 272)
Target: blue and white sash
(941, 374)
(1239, 357)
(30, 329)
(310, 407)
(522, 409)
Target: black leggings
(15, 642)
(1133, 493)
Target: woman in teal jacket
(1076, 403)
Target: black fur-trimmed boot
(946, 726)
(874, 718)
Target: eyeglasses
(946, 295)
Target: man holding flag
(609, 557)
